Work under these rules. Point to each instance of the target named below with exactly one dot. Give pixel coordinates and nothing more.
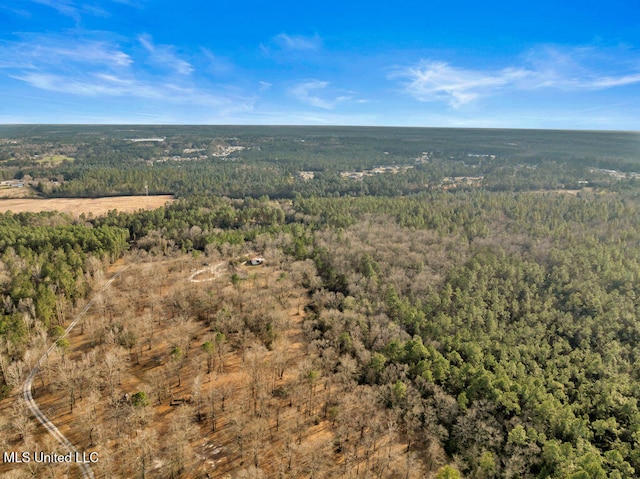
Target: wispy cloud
(16, 10)
(309, 91)
(297, 42)
(100, 69)
(286, 46)
(101, 85)
(64, 7)
(217, 64)
(94, 85)
(582, 68)
(165, 56)
(579, 69)
(130, 3)
(431, 81)
(53, 51)
(75, 9)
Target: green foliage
(208, 347)
(140, 399)
(531, 331)
(399, 391)
(63, 345)
(447, 472)
(57, 332)
(176, 353)
(45, 260)
(311, 376)
(517, 436)
(487, 465)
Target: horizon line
(270, 125)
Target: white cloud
(165, 56)
(284, 45)
(101, 85)
(610, 82)
(297, 42)
(98, 86)
(578, 69)
(309, 92)
(16, 10)
(96, 53)
(41, 51)
(130, 3)
(75, 9)
(99, 69)
(64, 7)
(433, 81)
(303, 92)
(216, 64)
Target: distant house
(256, 261)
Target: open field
(587, 190)
(77, 206)
(55, 159)
(10, 192)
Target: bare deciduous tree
(21, 421)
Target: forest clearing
(158, 367)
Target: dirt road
(85, 469)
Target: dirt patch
(567, 192)
(88, 206)
(55, 159)
(11, 192)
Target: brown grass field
(88, 206)
(8, 192)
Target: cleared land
(77, 206)
(11, 192)
(236, 409)
(54, 159)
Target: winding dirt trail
(213, 270)
(85, 468)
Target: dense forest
(495, 326)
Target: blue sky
(543, 64)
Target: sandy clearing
(10, 192)
(77, 206)
(212, 270)
(588, 189)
